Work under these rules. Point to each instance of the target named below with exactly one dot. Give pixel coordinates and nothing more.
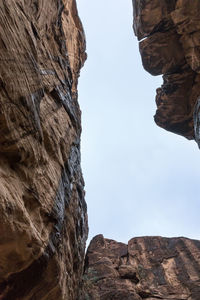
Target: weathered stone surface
(151, 16)
(147, 268)
(171, 47)
(43, 224)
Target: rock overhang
(169, 44)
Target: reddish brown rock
(171, 47)
(43, 224)
(147, 268)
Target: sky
(139, 179)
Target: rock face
(169, 34)
(43, 224)
(147, 268)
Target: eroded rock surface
(147, 268)
(43, 224)
(169, 34)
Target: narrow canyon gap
(131, 167)
(43, 225)
(156, 267)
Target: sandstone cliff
(147, 268)
(43, 224)
(169, 34)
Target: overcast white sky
(140, 179)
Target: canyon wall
(147, 268)
(169, 35)
(43, 224)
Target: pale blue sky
(140, 179)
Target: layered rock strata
(169, 35)
(147, 268)
(43, 224)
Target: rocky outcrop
(147, 268)
(169, 34)
(43, 224)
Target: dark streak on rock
(71, 106)
(32, 103)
